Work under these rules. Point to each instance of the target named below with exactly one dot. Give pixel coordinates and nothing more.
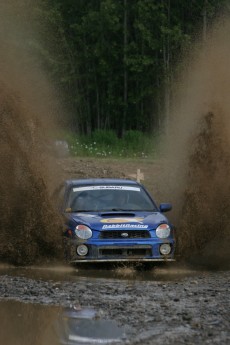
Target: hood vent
(117, 214)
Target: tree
(114, 60)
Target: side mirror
(165, 207)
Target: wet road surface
(165, 305)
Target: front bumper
(133, 251)
(166, 259)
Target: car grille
(120, 234)
(125, 252)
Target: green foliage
(134, 138)
(104, 144)
(104, 138)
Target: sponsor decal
(124, 226)
(123, 220)
(87, 215)
(78, 189)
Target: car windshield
(105, 198)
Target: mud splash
(206, 207)
(198, 151)
(29, 225)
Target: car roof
(98, 181)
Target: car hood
(109, 221)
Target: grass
(105, 143)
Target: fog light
(165, 249)
(82, 250)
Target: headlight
(163, 231)
(83, 232)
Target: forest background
(114, 63)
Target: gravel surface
(191, 310)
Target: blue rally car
(114, 220)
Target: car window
(109, 198)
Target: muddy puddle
(172, 273)
(26, 324)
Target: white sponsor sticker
(122, 220)
(78, 189)
(123, 226)
(87, 215)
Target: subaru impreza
(114, 220)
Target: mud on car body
(114, 220)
